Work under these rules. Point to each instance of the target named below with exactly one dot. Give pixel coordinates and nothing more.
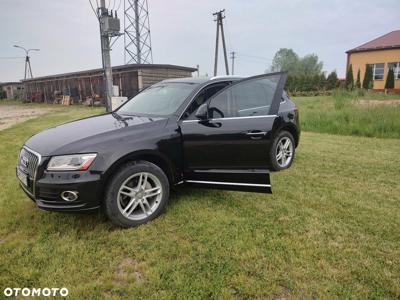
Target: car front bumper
(46, 191)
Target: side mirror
(202, 112)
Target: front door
(229, 148)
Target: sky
(183, 33)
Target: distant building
(129, 79)
(11, 90)
(381, 53)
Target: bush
(349, 78)
(367, 82)
(358, 81)
(332, 81)
(297, 82)
(390, 79)
(310, 93)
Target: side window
(201, 98)
(248, 98)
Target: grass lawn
(347, 113)
(330, 230)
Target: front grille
(28, 163)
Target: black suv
(224, 132)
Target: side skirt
(236, 180)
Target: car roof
(203, 79)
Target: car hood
(88, 134)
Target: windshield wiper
(120, 118)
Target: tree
(285, 60)
(367, 82)
(390, 79)
(358, 81)
(332, 81)
(350, 78)
(309, 65)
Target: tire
(132, 197)
(277, 163)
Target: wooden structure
(86, 86)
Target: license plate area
(23, 178)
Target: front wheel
(282, 151)
(136, 194)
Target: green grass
(343, 114)
(330, 230)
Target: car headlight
(76, 162)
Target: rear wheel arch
(292, 130)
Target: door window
(201, 98)
(247, 98)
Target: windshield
(161, 99)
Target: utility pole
(28, 67)
(233, 61)
(109, 27)
(219, 17)
(105, 55)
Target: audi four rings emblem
(24, 161)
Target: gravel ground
(13, 114)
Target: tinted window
(248, 98)
(201, 98)
(160, 99)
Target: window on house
(378, 70)
(396, 69)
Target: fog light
(69, 196)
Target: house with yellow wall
(382, 54)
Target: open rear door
(228, 149)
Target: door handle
(256, 134)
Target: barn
(84, 86)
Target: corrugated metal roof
(10, 83)
(390, 40)
(115, 69)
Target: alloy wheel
(284, 152)
(139, 196)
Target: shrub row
(311, 85)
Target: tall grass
(341, 114)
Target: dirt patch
(128, 269)
(375, 103)
(13, 114)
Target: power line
(94, 11)
(119, 4)
(253, 56)
(11, 57)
